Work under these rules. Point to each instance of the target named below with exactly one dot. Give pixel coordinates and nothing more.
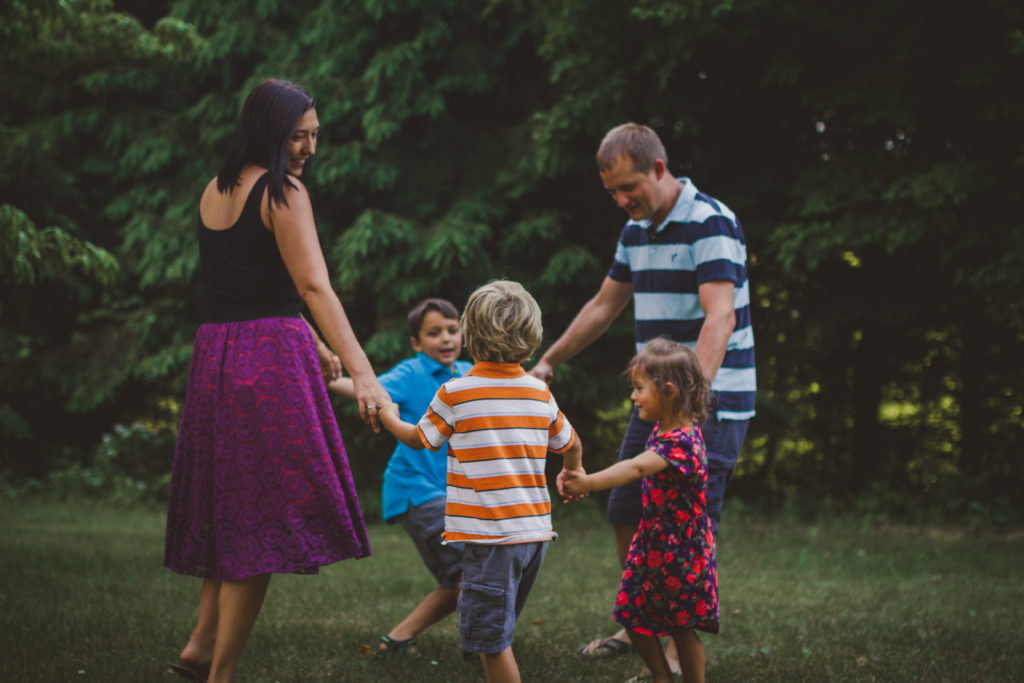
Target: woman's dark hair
(268, 118)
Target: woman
(261, 483)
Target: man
(682, 258)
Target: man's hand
(543, 371)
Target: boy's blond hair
(501, 323)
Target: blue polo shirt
(415, 476)
(699, 241)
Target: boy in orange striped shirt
(499, 423)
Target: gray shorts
(424, 524)
(496, 580)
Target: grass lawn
(83, 597)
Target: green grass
(83, 597)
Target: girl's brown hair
(668, 362)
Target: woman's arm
(297, 240)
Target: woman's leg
(691, 656)
(649, 648)
(198, 652)
(238, 606)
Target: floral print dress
(670, 581)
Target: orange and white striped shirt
(499, 423)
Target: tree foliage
(871, 153)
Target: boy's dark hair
(420, 310)
(268, 118)
(666, 361)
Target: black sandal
(190, 673)
(390, 646)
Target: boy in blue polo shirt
(415, 481)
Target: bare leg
(649, 648)
(623, 537)
(198, 652)
(501, 667)
(238, 606)
(672, 656)
(438, 604)
(691, 656)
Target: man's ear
(415, 344)
(659, 168)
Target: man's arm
(590, 323)
(716, 298)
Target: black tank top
(243, 273)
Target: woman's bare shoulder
(296, 209)
(210, 190)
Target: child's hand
(571, 484)
(388, 415)
(330, 364)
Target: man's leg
(723, 439)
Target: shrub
(130, 465)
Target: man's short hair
(420, 310)
(501, 323)
(639, 142)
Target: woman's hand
(371, 397)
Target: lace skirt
(260, 482)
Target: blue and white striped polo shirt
(699, 241)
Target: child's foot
(605, 646)
(390, 646)
(647, 677)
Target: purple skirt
(261, 482)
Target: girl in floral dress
(669, 584)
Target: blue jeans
(723, 439)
